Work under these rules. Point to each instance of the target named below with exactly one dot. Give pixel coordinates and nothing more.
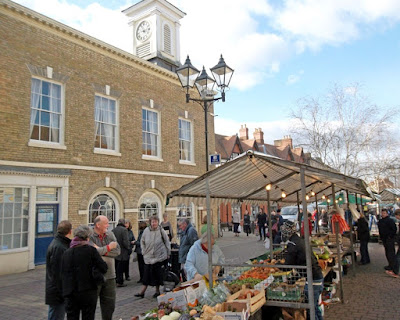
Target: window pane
(25, 224)
(45, 103)
(7, 227)
(8, 210)
(45, 88)
(46, 194)
(24, 242)
(18, 195)
(45, 118)
(55, 135)
(16, 241)
(17, 210)
(17, 225)
(35, 133)
(7, 241)
(45, 133)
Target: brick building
(90, 129)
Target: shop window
(14, 213)
(149, 205)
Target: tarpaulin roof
(245, 177)
(390, 194)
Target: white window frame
(117, 209)
(50, 144)
(99, 150)
(149, 198)
(191, 160)
(158, 156)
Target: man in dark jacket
(296, 255)
(387, 232)
(55, 251)
(363, 236)
(122, 235)
(262, 223)
(188, 238)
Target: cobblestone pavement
(371, 294)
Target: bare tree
(347, 132)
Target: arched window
(105, 204)
(149, 205)
(167, 39)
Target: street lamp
(189, 76)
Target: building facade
(86, 129)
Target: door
(45, 230)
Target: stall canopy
(245, 177)
(390, 195)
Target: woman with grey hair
(156, 249)
(79, 264)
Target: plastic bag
(239, 228)
(267, 243)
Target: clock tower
(156, 26)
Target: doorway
(45, 230)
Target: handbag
(239, 229)
(134, 256)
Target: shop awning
(391, 195)
(245, 177)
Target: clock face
(143, 31)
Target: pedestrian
(122, 260)
(252, 222)
(196, 265)
(108, 248)
(296, 255)
(363, 236)
(204, 226)
(53, 292)
(167, 227)
(236, 222)
(138, 250)
(246, 223)
(132, 242)
(397, 260)
(188, 237)
(387, 232)
(156, 249)
(262, 223)
(77, 270)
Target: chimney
(286, 141)
(243, 133)
(259, 135)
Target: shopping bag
(267, 243)
(134, 257)
(239, 228)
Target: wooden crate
(255, 302)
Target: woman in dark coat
(78, 283)
(138, 250)
(363, 236)
(132, 241)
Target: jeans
(397, 262)
(106, 292)
(262, 231)
(56, 312)
(317, 292)
(364, 251)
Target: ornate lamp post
(189, 76)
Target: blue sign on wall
(215, 159)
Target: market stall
(255, 177)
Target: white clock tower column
(156, 27)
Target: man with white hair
(196, 265)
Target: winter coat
(54, 255)
(387, 228)
(76, 269)
(168, 229)
(188, 238)
(296, 255)
(246, 219)
(236, 217)
(197, 259)
(122, 235)
(107, 255)
(154, 248)
(131, 238)
(261, 219)
(362, 229)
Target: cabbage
(174, 315)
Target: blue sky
(281, 50)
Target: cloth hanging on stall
(354, 212)
(343, 226)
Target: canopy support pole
(307, 245)
(209, 243)
(271, 247)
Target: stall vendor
(196, 265)
(296, 255)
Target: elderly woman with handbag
(82, 268)
(156, 249)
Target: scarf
(78, 242)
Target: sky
(281, 50)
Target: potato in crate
(255, 298)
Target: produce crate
(255, 298)
(234, 310)
(284, 292)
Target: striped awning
(245, 177)
(392, 195)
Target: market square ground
(370, 294)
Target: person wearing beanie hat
(296, 255)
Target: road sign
(215, 159)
